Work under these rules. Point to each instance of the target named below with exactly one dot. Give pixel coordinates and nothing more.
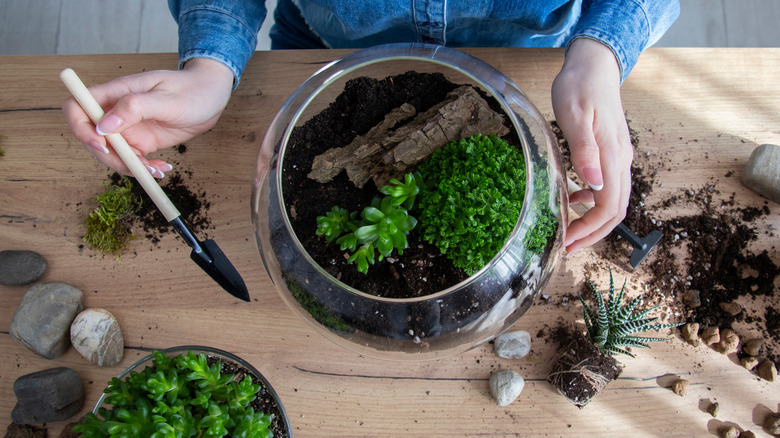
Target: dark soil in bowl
(422, 269)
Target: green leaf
(372, 215)
(348, 242)
(364, 256)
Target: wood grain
(699, 111)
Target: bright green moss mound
(476, 188)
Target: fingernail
(569, 254)
(152, 170)
(165, 167)
(98, 147)
(593, 177)
(108, 124)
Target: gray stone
(96, 335)
(55, 394)
(42, 319)
(762, 171)
(506, 386)
(21, 267)
(513, 345)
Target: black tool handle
(189, 238)
(630, 236)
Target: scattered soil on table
(422, 269)
(191, 202)
(707, 250)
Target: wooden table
(686, 103)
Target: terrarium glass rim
(447, 57)
(208, 350)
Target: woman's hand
(153, 110)
(586, 101)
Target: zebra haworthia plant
(610, 326)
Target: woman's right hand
(153, 110)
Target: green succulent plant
(180, 396)
(404, 193)
(333, 224)
(609, 328)
(382, 226)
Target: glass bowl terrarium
(357, 121)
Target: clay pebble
(42, 319)
(690, 332)
(680, 387)
(710, 335)
(749, 362)
(96, 335)
(19, 267)
(767, 370)
(753, 346)
(729, 341)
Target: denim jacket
(226, 30)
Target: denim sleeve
(223, 30)
(627, 27)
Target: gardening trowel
(206, 254)
(642, 245)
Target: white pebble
(513, 345)
(506, 386)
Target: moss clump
(476, 190)
(107, 226)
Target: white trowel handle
(138, 169)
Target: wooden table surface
(687, 104)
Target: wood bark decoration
(397, 143)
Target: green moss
(476, 189)
(319, 312)
(107, 228)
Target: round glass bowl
(269, 397)
(437, 325)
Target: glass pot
(280, 421)
(450, 321)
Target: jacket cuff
(627, 27)
(223, 35)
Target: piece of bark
(388, 149)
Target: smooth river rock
(55, 394)
(96, 335)
(513, 345)
(506, 386)
(43, 317)
(762, 171)
(21, 267)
